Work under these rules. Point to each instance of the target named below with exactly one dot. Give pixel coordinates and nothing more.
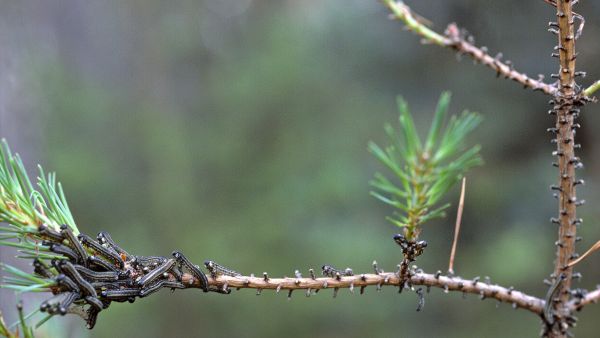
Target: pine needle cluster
(423, 172)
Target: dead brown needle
(587, 253)
(461, 205)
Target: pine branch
(567, 100)
(141, 276)
(518, 299)
(456, 39)
(86, 275)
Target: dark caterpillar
(330, 271)
(216, 270)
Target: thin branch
(461, 205)
(589, 298)
(453, 38)
(483, 290)
(589, 91)
(413, 22)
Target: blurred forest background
(237, 131)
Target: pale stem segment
(589, 91)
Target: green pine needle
(424, 173)
(25, 206)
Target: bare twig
(591, 250)
(455, 40)
(459, 213)
(484, 290)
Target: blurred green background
(236, 131)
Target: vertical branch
(564, 106)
